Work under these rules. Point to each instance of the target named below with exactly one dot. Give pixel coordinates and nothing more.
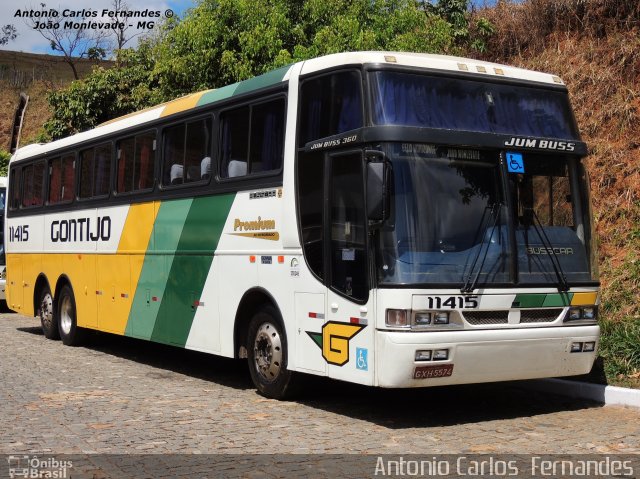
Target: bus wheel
(48, 319)
(70, 333)
(267, 355)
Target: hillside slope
(594, 46)
(36, 75)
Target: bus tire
(70, 333)
(267, 355)
(47, 314)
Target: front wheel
(70, 333)
(46, 313)
(267, 355)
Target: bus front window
(551, 221)
(447, 220)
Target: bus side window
(55, 180)
(86, 177)
(198, 148)
(186, 147)
(102, 170)
(33, 184)
(331, 104)
(267, 136)
(68, 177)
(14, 187)
(235, 142)
(95, 171)
(125, 151)
(145, 159)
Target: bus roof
(419, 60)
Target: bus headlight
(422, 319)
(441, 317)
(584, 313)
(574, 314)
(397, 318)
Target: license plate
(435, 371)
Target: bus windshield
(407, 99)
(450, 219)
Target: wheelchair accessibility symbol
(361, 359)
(515, 162)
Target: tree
(7, 34)
(103, 95)
(73, 43)
(223, 41)
(121, 35)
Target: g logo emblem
(334, 341)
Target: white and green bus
(388, 219)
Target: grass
(620, 351)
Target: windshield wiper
(563, 285)
(469, 285)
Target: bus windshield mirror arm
(470, 285)
(563, 285)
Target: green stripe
(263, 81)
(217, 95)
(190, 267)
(560, 299)
(159, 257)
(541, 300)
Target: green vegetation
(103, 95)
(620, 349)
(4, 162)
(224, 41)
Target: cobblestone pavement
(119, 395)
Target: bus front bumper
(482, 355)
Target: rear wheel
(46, 313)
(267, 355)
(70, 333)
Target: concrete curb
(608, 395)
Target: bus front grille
(539, 315)
(486, 317)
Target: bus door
(348, 333)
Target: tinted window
(348, 227)
(256, 149)
(61, 179)
(95, 171)
(32, 184)
(136, 157)
(235, 142)
(331, 104)
(187, 152)
(310, 206)
(267, 136)
(14, 189)
(435, 102)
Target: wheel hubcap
(267, 352)
(66, 310)
(46, 310)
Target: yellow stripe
(182, 104)
(137, 229)
(119, 274)
(584, 299)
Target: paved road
(119, 395)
